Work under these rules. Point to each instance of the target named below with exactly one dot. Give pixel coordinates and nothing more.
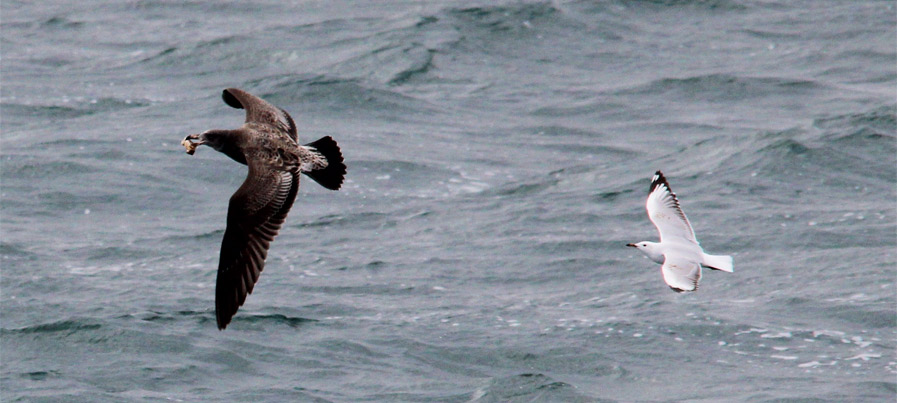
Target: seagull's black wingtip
(658, 180)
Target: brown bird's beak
(189, 145)
(631, 245)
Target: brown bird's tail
(332, 176)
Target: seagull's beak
(189, 145)
(631, 245)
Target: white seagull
(679, 252)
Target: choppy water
(499, 155)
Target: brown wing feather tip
(230, 99)
(220, 317)
(291, 125)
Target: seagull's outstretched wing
(681, 274)
(665, 213)
(254, 217)
(260, 111)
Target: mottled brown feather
(260, 111)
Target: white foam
(814, 364)
(864, 356)
(833, 333)
(780, 335)
(752, 330)
(91, 270)
(784, 357)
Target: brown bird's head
(217, 139)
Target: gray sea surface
(499, 154)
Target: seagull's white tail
(718, 262)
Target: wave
(528, 387)
(850, 150)
(725, 87)
(208, 316)
(525, 189)
(205, 236)
(706, 5)
(858, 145)
(228, 53)
(878, 122)
(360, 220)
(330, 94)
(504, 19)
(68, 326)
(602, 107)
(42, 111)
(276, 319)
(421, 62)
(10, 251)
(68, 201)
(199, 7)
(516, 30)
(20, 169)
(175, 316)
(404, 178)
(73, 108)
(541, 183)
(389, 53)
(537, 185)
(52, 23)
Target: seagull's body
(268, 143)
(678, 251)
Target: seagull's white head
(650, 249)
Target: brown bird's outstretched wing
(254, 217)
(260, 111)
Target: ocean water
(499, 156)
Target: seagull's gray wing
(254, 217)
(665, 213)
(260, 111)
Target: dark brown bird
(269, 145)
